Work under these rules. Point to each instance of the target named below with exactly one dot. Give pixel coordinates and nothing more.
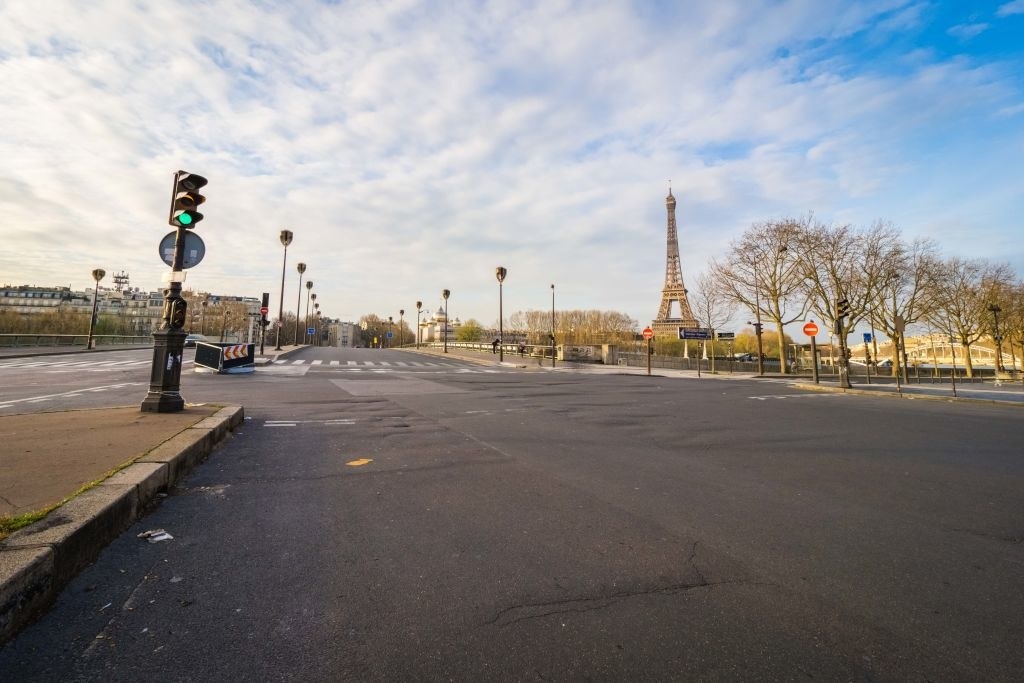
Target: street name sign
(694, 333)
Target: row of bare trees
(789, 270)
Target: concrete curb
(910, 395)
(38, 561)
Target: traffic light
(185, 199)
(842, 308)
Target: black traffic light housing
(842, 308)
(185, 199)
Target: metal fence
(30, 340)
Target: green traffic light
(185, 218)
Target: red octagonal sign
(811, 329)
(648, 333)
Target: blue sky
(415, 146)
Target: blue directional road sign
(390, 334)
(694, 333)
(310, 330)
(867, 337)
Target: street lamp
(445, 293)
(286, 239)
(202, 318)
(316, 307)
(994, 308)
(419, 305)
(401, 327)
(757, 324)
(552, 325)
(500, 273)
(309, 288)
(298, 301)
(97, 275)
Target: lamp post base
(165, 375)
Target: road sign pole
(648, 357)
(814, 358)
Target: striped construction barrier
(236, 351)
(225, 358)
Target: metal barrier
(225, 358)
(24, 340)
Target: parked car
(191, 339)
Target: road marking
(317, 362)
(360, 462)
(781, 397)
(278, 423)
(76, 393)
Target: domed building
(433, 329)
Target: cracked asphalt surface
(539, 525)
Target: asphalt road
(454, 521)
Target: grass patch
(11, 523)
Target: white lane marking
(317, 362)
(76, 393)
(334, 363)
(781, 397)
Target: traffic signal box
(185, 200)
(842, 312)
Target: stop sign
(811, 329)
(648, 333)
(264, 310)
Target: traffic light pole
(169, 341)
(168, 344)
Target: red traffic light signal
(185, 198)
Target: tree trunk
(968, 366)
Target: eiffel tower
(666, 326)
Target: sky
(415, 146)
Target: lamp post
(552, 325)
(500, 273)
(316, 307)
(419, 305)
(97, 275)
(401, 327)
(309, 288)
(998, 338)
(298, 301)
(445, 293)
(286, 239)
(202, 318)
(757, 319)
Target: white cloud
(967, 31)
(414, 146)
(1013, 7)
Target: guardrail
(27, 340)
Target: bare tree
(1012, 322)
(964, 291)
(841, 263)
(762, 273)
(712, 306)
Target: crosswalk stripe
(317, 362)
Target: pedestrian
(494, 346)
(522, 350)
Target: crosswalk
(365, 364)
(63, 365)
